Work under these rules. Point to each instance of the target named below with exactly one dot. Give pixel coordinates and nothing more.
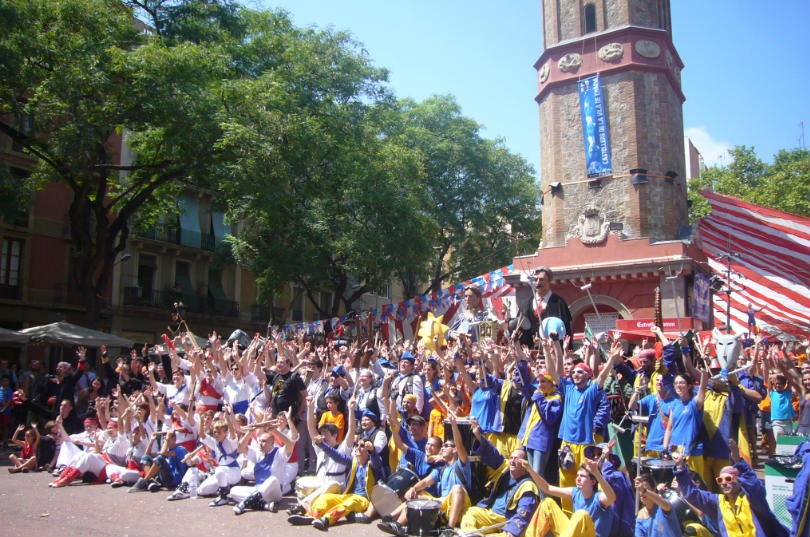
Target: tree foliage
(783, 185)
(339, 186)
(79, 75)
(481, 198)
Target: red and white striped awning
(774, 262)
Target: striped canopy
(770, 263)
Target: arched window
(590, 17)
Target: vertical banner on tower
(594, 127)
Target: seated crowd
(490, 436)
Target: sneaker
(300, 520)
(321, 524)
(271, 506)
(117, 484)
(153, 486)
(239, 508)
(178, 495)
(140, 485)
(392, 528)
(57, 471)
(218, 501)
(360, 518)
(296, 509)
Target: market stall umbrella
(10, 336)
(70, 334)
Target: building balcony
(182, 237)
(163, 300)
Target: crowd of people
(513, 434)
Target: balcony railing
(183, 237)
(135, 296)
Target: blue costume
(515, 499)
(765, 522)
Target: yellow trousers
(550, 518)
(336, 506)
(476, 518)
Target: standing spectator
(286, 389)
(581, 398)
(407, 382)
(6, 393)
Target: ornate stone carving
(591, 226)
(611, 52)
(647, 48)
(570, 62)
(543, 73)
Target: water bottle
(195, 480)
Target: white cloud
(714, 152)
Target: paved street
(30, 507)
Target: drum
(306, 485)
(385, 497)
(683, 511)
(465, 428)
(423, 516)
(662, 470)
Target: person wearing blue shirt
(591, 515)
(581, 397)
(656, 407)
(513, 498)
(453, 481)
(685, 420)
(656, 518)
(782, 412)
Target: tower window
(590, 17)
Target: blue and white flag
(594, 127)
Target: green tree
(783, 185)
(79, 75)
(322, 191)
(482, 199)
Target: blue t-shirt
(360, 480)
(579, 409)
(418, 460)
(448, 477)
(601, 516)
(660, 524)
(687, 420)
(485, 405)
(649, 406)
(5, 398)
(781, 405)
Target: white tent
(70, 334)
(10, 336)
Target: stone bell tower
(615, 220)
(641, 192)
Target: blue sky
(746, 76)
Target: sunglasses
(724, 479)
(449, 444)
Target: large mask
(728, 348)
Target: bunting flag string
(442, 302)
